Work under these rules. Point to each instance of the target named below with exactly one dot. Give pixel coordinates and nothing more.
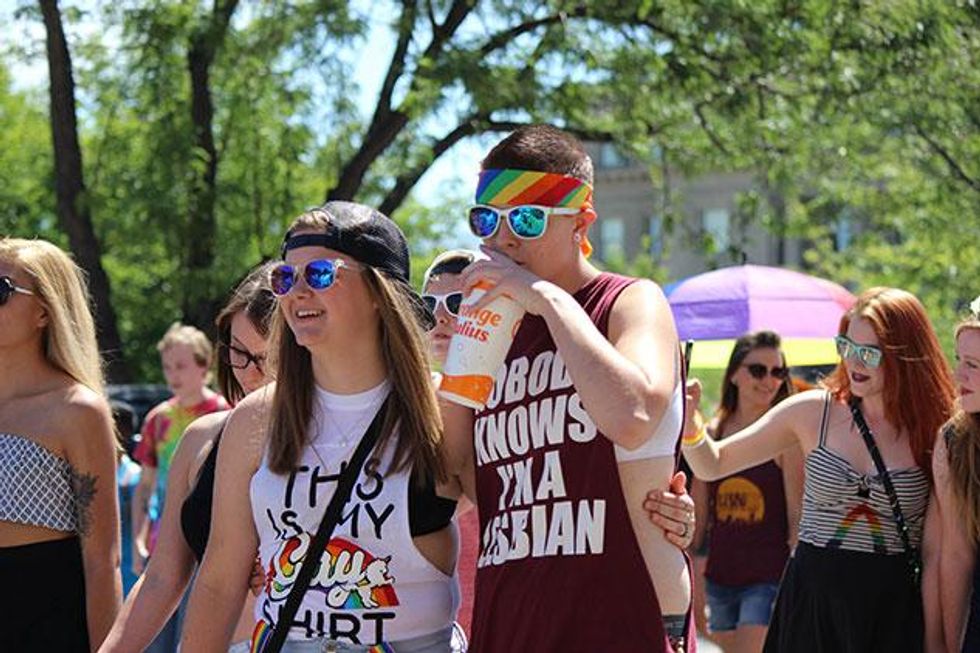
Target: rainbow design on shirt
(260, 635)
(382, 592)
(353, 579)
(861, 511)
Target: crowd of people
(327, 499)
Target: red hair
(918, 386)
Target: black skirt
(836, 601)
(42, 605)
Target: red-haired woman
(956, 467)
(851, 583)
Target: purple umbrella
(729, 302)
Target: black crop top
(427, 511)
(195, 512)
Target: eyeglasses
(758, 371)
(527, 221)
(8, 288)
(319, 274)
(240, 359)
(450, 300)
(867, 355)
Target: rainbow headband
(507, 187)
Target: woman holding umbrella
(852, 583)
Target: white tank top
(373, 585)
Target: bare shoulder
(204, 429)
(247, 429)
(642, 297)
(82, 410)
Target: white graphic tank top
(373, 586)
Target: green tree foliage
(864, 111)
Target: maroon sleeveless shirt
(747, 542)
(559, 567)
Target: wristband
(691, 441)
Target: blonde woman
(59, 517)
(347, 345)
(956, 467)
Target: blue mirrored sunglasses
(318, 274)
(527, 221)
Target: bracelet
(691, 441)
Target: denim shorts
(747, 605)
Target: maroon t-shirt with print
(559, 566)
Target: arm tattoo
(83, 485)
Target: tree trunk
(74, 214)
(200, 300)
(202, 224)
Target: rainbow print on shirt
(349, 577)
(850, 519)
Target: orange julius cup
(478, 347)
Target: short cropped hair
(543, 148)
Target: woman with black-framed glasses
(747, 521)
(853, 582)
(243, 331)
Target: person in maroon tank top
(584, 414)
(752, 516)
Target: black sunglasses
(8, 288)
(758, 371)
(240, 359)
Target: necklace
(342, 438)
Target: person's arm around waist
(219, 590)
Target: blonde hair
(962, 434)
(59, 284)
(412, 406)
(183, 334)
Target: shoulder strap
(330, 518)
(822, 438)
(886, 480)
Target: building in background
(686, 224)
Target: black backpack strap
(914, 561)
(317, 546)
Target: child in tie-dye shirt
(185, 353)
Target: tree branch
(407, 180)
(406, 25)
(954, 167)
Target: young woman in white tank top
(347, 340)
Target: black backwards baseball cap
(369, 237)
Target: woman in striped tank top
(849, 585)
(956, 468)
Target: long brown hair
(729, 391)
(962, 434)
(918, 386)
(412, 406)
(252, 297)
